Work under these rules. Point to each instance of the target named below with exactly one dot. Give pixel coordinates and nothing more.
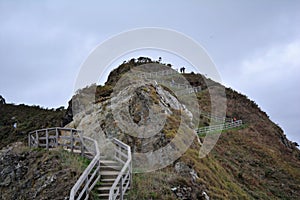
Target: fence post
(72, 141)
(116, 151)
(130, 169)
(29, 140)
(81, 146)
(88, 188)
(56, 137)
(120, 151)
(47, 139)
(37, 138)
(121, 188)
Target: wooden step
(109, 162)
(105, 194)
(104, 188)
(110, 183)
(116, 173)
(107, 180)
(109, 174)
(106, 184)
(110, 167)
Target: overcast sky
(254, 44)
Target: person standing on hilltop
(2, 100)
(182, 70)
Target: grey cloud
(43, 43)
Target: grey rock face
(144, 115)
(33, 174)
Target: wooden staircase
(107, 178)
(109, 170)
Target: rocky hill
(255, 161)
(158, 117)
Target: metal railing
(124, 178)
(218, 127)
(71, 140)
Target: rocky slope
(37, 173)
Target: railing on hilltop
(156, 74)
(123, 181)
(182, 89)
(71, 140)
(188, 91)
(218, 127)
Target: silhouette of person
(183, 69)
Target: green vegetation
(172, 124)
(17, 120)
(77, 161)
(154, 185)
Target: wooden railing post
(120, 150)
(130, 175)
(37, 138)
(121, 188)
(72, 141)
(82, 147)
(87, 188)
(29, 140)
(47, 139)
(56, 137)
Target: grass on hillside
(26, 118)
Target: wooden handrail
(126, 170)
(90, 175)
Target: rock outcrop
(35, 173)
(143, 114)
